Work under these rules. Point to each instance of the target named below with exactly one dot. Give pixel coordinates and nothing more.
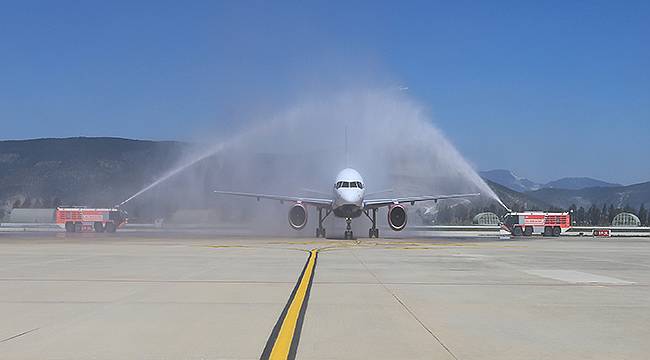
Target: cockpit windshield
(349, 184)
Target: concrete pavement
(165, 297)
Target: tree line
(595, 215)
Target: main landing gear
(373, 231)
(320, 230)
(348, 235)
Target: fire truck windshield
(511, 219)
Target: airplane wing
(321, 203)
(377, 203)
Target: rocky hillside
(517, 183)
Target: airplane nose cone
(351, 196)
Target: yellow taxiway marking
(283, 342)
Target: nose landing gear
(348, 229)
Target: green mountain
(618, 196)
(89, 171)
(105, 171)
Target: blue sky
(548, 89)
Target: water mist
(392, 143)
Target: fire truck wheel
(69, 227)
(517, 231)
(557, 231)
(78, 227)
(528, 231)
(548, 231)
(99, 227)
(110, 227)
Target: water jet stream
(392, 143)
(211, 152)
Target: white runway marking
(577, 277)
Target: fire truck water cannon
(537, 222)
(82, 219)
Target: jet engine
(397, 217)
(298, 216)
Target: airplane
(348, 202)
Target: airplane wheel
(322, 233)
(317, 232)
(377, 233)
(351, 235)
(371, 233)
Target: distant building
(486, 218)
(626, 219)
(30, 216)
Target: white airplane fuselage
(349, 191)
(348, 201)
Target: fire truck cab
(82, 219)
(537, 222)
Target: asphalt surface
(165, 296)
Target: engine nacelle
(298, 216)
(397, 217)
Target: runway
(167, 296)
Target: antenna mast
(347, 154)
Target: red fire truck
(537, 222)
(81, 219)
